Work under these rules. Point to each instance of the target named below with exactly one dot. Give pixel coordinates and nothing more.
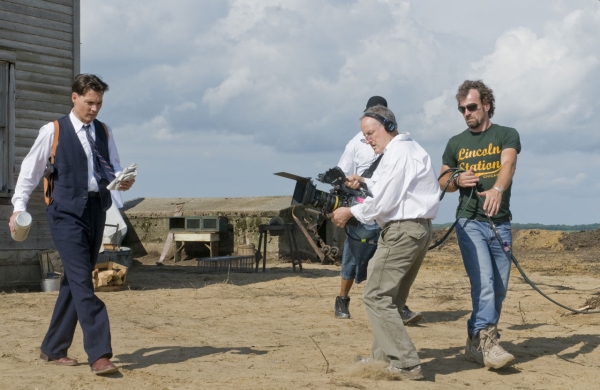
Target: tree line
(524, 226)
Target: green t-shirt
(482, 152)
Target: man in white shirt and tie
(85, 162)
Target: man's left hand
(493, 199)
(340, 216)
(125, 185)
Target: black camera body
(307, 194)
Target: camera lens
(325, 202)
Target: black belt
(93, 194)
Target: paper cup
(22, 224)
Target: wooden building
(39, 57)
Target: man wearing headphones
(406, 199)
(361, 241)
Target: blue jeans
(488, 268)
(357, 254)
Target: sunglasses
(470, 107)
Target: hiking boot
(494, 356)
(472, 351)
(413, 373)
(342, 305)
(410, 317)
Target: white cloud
(236, 84)
(434, 107)
(288, 79)
(546, 84)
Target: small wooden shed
(39, 57)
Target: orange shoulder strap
(55, 141)
(105, 129)
(49, 181)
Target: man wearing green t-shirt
(486, 154)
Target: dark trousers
(78, 241)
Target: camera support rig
(324, 252)
(322, 203)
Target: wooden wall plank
(20, 46)
(46, 5)
(45, 117)
(22, 142)
(36, 40)
(49, 60)
(22, 150)
(33, 21)
(19, 8)
(44, 97)
(44, 107)
(63, 89)
(34, 30)
(42, 78)
(30, 123)
(42, 68)
(68, 3)
(8, 55)
(27, 133)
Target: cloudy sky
(212, 97)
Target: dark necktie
(102, 169)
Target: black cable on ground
(509, 254)
(512, 258)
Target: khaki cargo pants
(391, 272)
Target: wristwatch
(498, 189)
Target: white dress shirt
(406, 186)
(357, 157)
(34, 164)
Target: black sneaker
(342, 305)
(410, 317)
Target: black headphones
(388, 125)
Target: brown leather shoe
(103, 366)
(64, 361)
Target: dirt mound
(580, 240)
(536, 239)
(523, 239)
(449, 243)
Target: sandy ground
(177, 329)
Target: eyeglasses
(367, 138)
(470, 107)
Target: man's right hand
(11, 223)
(468, 178)
(353, 181)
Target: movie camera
(307, 194)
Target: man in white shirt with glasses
(406, 199)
